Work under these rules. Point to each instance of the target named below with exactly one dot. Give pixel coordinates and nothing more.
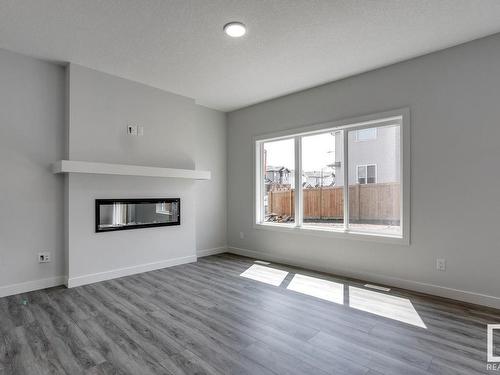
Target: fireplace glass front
(120, 214)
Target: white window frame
(399, 116)
(366, 169)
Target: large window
(343, 178)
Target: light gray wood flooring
(204, 318)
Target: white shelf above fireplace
(73, 166)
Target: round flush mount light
(235, 29)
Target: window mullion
(298, 182)
(345, 136)
(262, 186)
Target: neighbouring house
(278, 178)
(368, 164)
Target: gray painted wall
(32, 135)
(92, 253)
(178, 133)
(100, 108)
(210, 154)
(453, 96)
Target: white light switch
(140, 130)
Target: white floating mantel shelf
(72, 166)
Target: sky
(317, 152)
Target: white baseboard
(437, 290)
(29, 286)
(120, 272)
(207, 252)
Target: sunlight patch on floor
(266, 275)
(392, 307)
(371, 301)
(319, 288)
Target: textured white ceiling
(179, 46)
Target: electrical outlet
(441, 264)
(132, 129)
(242, 235)
(44, 257)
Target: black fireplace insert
(122, 214)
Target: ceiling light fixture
(235, 29)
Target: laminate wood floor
(205, 318)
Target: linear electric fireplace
(121, 214)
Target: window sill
(334, 233)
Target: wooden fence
(374, 202)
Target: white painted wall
(453, 96)
(31, 197)
(178, 134)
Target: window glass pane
(322, 180)
(371, 174)
(371, 171)
(366, 134)
(279, 181)
(361, 174)
(375, 189)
